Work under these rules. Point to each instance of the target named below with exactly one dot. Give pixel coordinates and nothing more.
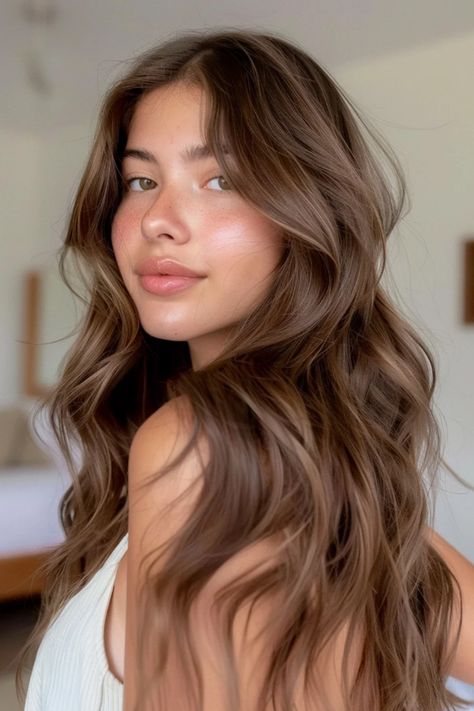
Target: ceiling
(87, 43)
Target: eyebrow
(191, 154)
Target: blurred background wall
(422, 99)
(407, 66)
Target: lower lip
(166, 284)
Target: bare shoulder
(156, 509)
(157, 513)
(156, 443)
(161, 435)
(170, 499)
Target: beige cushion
(10, 426)
(17, 446)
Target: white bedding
(29, 509)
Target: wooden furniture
(31, 328)
(469, 281)
(20, 577)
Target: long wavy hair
(325, 376)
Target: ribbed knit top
(71, 669)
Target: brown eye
(221, 179)
(145, 184)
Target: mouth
(153, 266)
(164, 284)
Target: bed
(29, 526)
(33, 478)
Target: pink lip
(164, 266)
(165, 284)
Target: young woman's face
(183, 210)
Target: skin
(186, 212)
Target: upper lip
(163, 265)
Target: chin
(165, 333)
(164, 336)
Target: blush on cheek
(119, 233)
(126, 223)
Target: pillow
(17, 446)
(10, 425)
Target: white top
(71, 669)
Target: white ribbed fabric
(71, 672)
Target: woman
(233, 223)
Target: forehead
(172, 108)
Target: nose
(164, 217)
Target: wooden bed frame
(31, 329)
(20, 577)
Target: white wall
(422, 101)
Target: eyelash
(140, 177)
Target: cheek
(243, 233)
(121, 231)
(262, 247)
(120, 238)
(126, 222)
